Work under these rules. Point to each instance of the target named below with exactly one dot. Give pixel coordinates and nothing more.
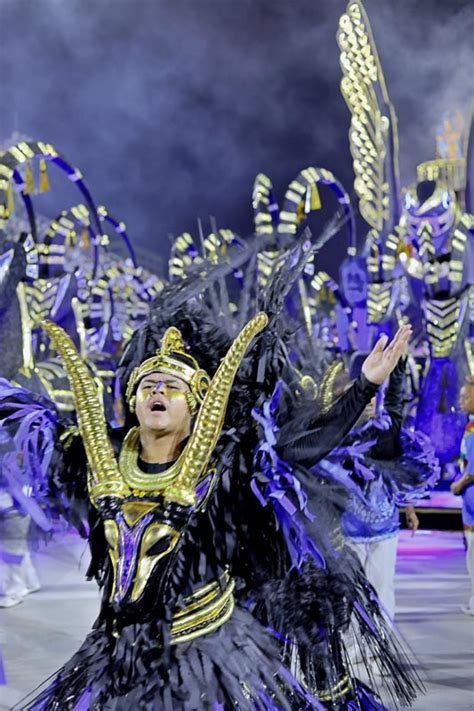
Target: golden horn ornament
(105, 478)
(211, 415)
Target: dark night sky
(170, 108)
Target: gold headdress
(173, 359)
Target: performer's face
(466, 399)
(161, 404)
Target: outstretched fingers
(398, 345)
(401, 338)
(381, 343)
(382, 360)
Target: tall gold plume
(211, 416)
(105, 478)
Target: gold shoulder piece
(105, 479)
(327, 384)
(211, 415)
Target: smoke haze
(170, 109)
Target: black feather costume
(265, 580)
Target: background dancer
(392, 466)
(464, 486)
(18, 576)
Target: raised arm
(393, 398)
(328, 430)
(388, 441)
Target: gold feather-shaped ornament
(373, 131)
(104, 478)
(211, 415)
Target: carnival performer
(391, 467)
(464, 486)
(214, 595)
(18, 576)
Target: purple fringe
(25, 467)
(274, 483)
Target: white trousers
(17, 575)
(470, 564)
(378, 559)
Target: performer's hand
(457, 487)
(381, 361)
(413, 522)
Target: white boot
(12, 589)
(469, 608)
(30, 576)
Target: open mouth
(158, 407)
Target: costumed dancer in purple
(464, 486)
(384, 466)
(18, 576)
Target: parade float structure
(67, 270)
(420, 238)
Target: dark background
(171, 107)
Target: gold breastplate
(143, 530)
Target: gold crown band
(164, 364)
(163, 361)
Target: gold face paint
(173, 389)
(169, 391)
(165, 362)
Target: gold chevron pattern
(443, 324)
(378, 301)
(217, 243)
(424, 263)
(183, 255)
(268, 262)
(40, 297)
(392, 247)
(301, 198)
(364, 90)
(261, 195)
